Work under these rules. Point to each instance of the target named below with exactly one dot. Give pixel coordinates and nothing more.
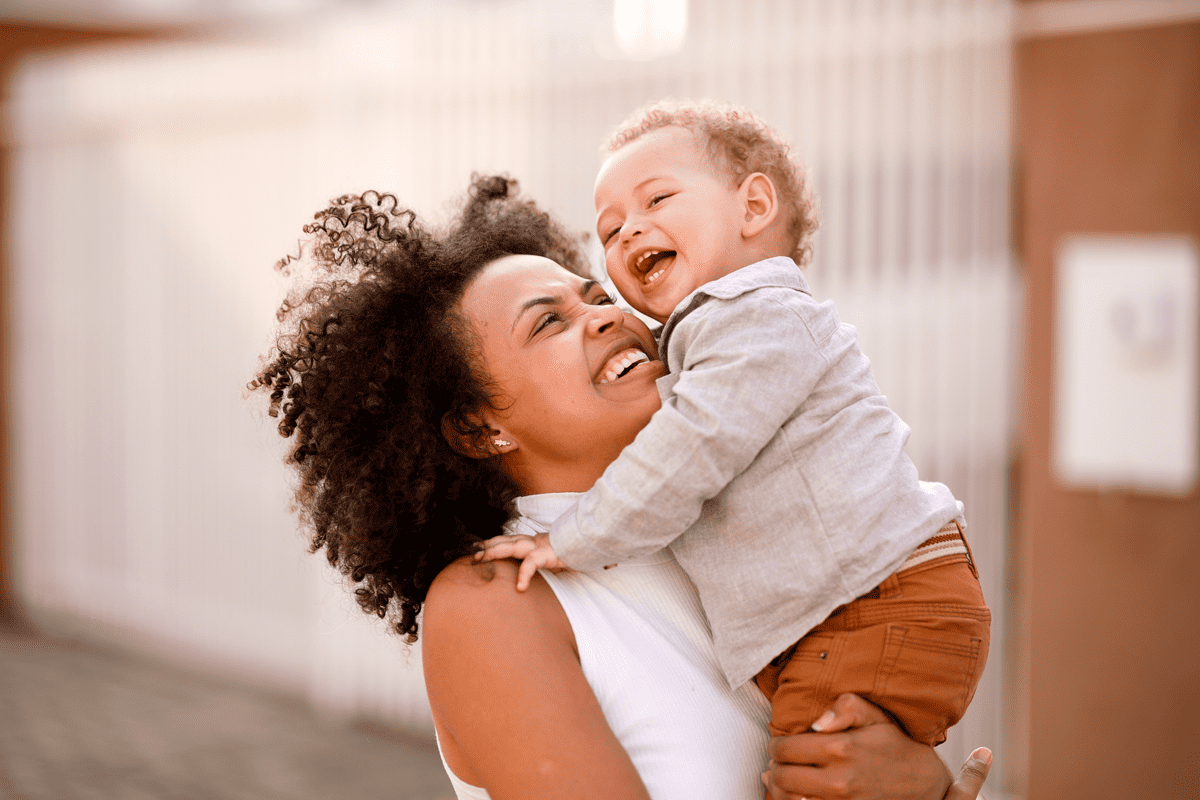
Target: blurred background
(1010, 199)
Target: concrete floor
(80, 722)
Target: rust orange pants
(915, 645)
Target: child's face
(668, 219)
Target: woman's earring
(500, 443)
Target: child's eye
(656, 199)
(608, 236)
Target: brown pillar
(1108, 142)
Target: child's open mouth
(653, 263)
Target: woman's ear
(760, 202)
(475, 438)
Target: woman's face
(574, 376)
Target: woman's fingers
(793, 781)
(802, 748)
(849, 711)
(971, 776)
(870, 761)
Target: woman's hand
(861, 754)
(971, 776)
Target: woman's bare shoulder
(484, 598)
(508, 695)
(479, 633)
(467, 572)
(467, 581)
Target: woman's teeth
(621, 363)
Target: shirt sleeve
(749, 363)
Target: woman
(431, 380)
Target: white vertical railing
(153, 189)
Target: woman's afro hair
(374, 364)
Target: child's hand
(534, 551)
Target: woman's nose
(605, 318)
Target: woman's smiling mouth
(620, 364)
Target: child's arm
(749, 364)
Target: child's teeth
(646, 255)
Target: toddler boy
(823, 564)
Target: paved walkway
(78, 722)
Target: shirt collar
(776, 271)
(540, 510)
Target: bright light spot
(647, 29)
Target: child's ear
(760, 204)
(476, 437)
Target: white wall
(153, 189)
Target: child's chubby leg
(915, 646)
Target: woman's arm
(509, 699)
(867, 758)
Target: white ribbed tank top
(647, 652)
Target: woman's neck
(535, 476)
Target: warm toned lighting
(647, 29)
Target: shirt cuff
(572, 548)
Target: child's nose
(633, 226)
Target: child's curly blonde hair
(740, 142)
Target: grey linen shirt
(774, 469)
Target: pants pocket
(804, 683)
(926, 678)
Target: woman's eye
(546, 320)
(605, 300)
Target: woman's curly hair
(373, 364)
